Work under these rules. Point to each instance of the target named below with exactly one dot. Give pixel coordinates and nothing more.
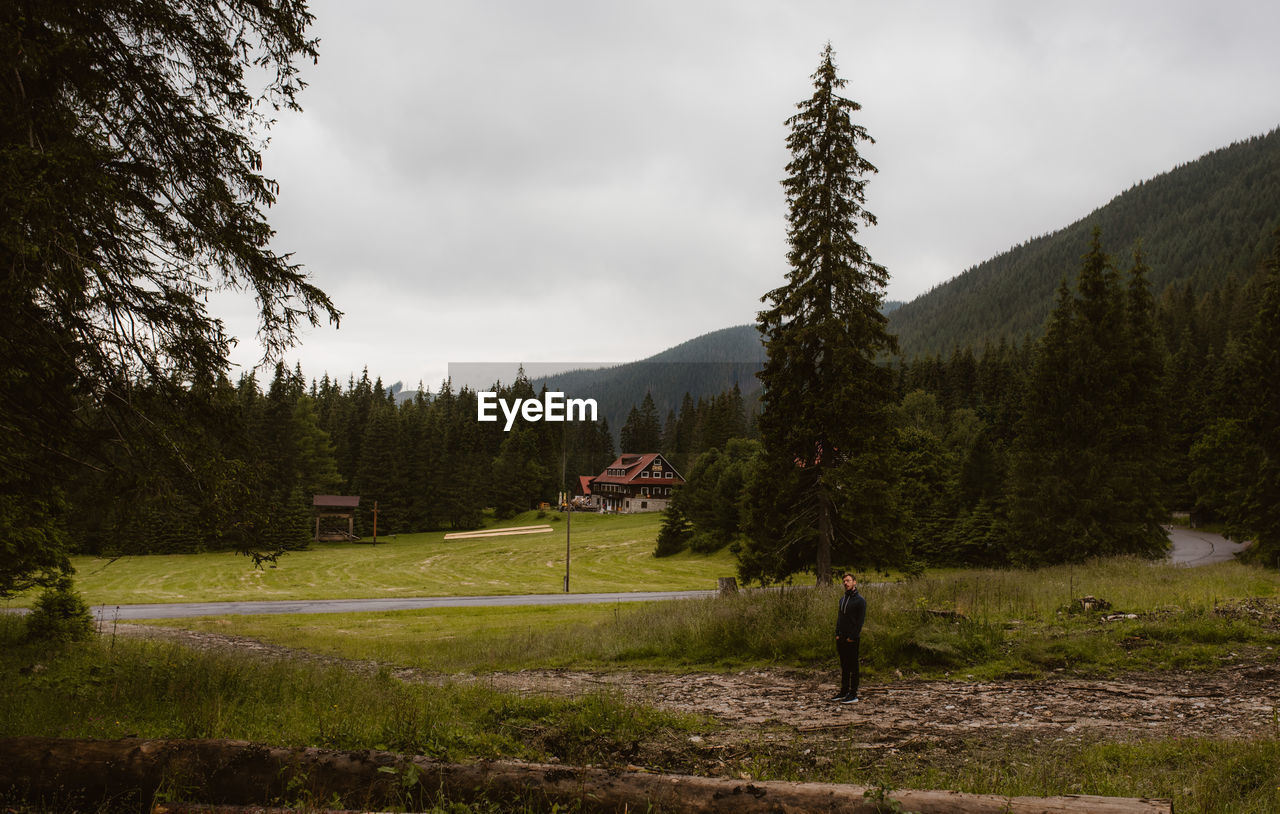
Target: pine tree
(643, 431)
(1044, 482)
(1142, 442)
(825, 420)
(1262, 352)
(1086, 461)
(518, 474)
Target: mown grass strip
(609, 553)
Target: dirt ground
(1239, 700)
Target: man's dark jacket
(853, 612)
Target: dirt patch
(1236, 701)
(1263, 612)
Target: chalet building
(634, 483)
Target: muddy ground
(1237, 701)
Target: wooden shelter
(330, 511)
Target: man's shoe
(839, 697)
(849, 699)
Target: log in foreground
(135, 772)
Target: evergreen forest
(1202, 225)
(1077, 443)
(223, 465)
(1053, 404)
(1080, 443)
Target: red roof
(584, 483)
(633, 465)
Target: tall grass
(125, 688)
(987, 622)
(1200, 776)
(113, 687)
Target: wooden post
(375, 522)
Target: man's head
(850, 582)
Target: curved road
(1192, 547)
(1188, 547)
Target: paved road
(126, 613)
(1192, 547)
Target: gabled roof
(584, 484)
(335, 501)
(633, 466)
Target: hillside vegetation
(1200, 223)
(702, 367)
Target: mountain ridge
(1199, 223)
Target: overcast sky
(596, 181)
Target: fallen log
(138, 772)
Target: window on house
(644, 474)
(668, 474)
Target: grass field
(112, 687)
(609, 553)
(1007, 624)
(1014, 623)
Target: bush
(59, 614)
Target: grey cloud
(460, 158)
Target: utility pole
(568, 524)
(375, 522)
(567, 503)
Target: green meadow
(981, 624)
(990, 623)
(1006, 624)
(607, 553)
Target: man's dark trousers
(847, 648)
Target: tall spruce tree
(1142, 448)
(1087, 457)
(1262, 355)
(825, 419)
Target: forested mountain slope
(1200, 222)
(703, 367)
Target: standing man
(853, 612)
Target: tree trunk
(61, 772)
(825, 532)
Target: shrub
(59, 614)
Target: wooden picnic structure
(330, 511)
